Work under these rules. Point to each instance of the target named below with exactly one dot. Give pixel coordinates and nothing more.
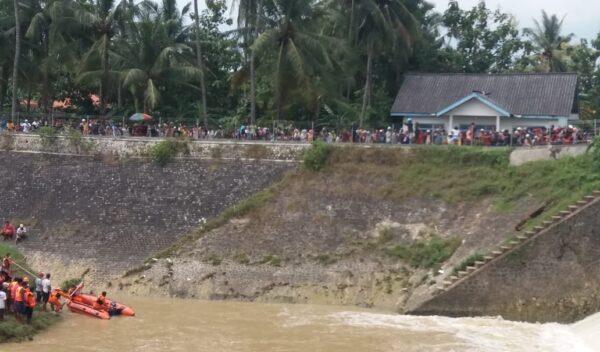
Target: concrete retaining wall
(554, 277)
(524, 155)
(83, 209)
(136, 147)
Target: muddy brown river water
(189, 325)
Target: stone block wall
(136, 147)
(110, 216)
(554, 277)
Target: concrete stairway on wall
(507, 247)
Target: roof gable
(545, 94)
(474, 96)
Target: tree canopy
(323, 62)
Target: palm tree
(200, 64)
(384, 23)
(249, 17)
(549, 42)
(155, 55)
(300, 52)
(5, 55)
(102, 19)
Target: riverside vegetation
(10, 329)
(392, 217)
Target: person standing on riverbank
(38, 288)
(46, 288)
(2, 301)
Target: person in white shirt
(21, 233)
(46, 288)
(2, 302)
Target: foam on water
(482, 334)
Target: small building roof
(526, 94)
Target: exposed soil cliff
(374, 227)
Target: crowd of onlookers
(408, 133)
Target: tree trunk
(367, 90)
(15, 79)
(257, 24)
(200, 65)
(105, 83)
(119, 94)
(2, 87)
(252, 89)
(350, 29)
(47, 105)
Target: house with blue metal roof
(490, 101)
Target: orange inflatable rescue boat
(118, 309)
(86, 304)
(87, 309)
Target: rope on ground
(25, 270)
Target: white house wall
(473, 107)
(506, 123)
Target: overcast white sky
(581, 15)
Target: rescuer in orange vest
(100, 301)
(29, 304)
(54, 300)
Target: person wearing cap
(21, 233)
(38, 287)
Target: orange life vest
(30, 299)
(12, 287)
(99, 304)
(19, 294)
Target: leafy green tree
(300, 51)
(480, 40)
(15, 78)
(379, 24)
(549, 43)
(155, 54)
(101, 19)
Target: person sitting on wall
(8, 231)
(21, 233)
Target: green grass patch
(239, 210)
(425, 253)
(19, 259)
(163, 152)
(316, 157)
(12, 330)
(458, 174)
(469, 261)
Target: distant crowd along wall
(552, 277)
(290, 151)
(136, 147)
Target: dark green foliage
(13, 331)
(594, 151)
(316, 157)
(67, 284)
(425, 253)
(162, 153)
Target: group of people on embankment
(9, 232)
(19, 296)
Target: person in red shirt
(6, 263)
(8, 231)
